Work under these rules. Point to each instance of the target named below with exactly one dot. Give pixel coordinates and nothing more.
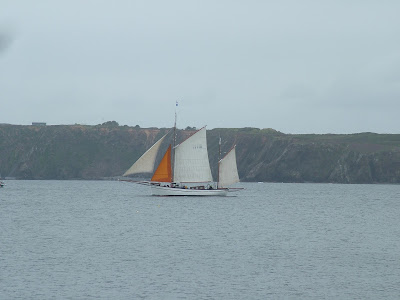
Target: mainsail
(228, 173)
(191, 159)
(145, 164)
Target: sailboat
(185, 169)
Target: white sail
(191, 159)
(145, 163)
(228, 173)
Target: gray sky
(296, 66)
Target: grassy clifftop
(93, 152)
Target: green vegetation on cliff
(107, 150)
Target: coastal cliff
(108, 150)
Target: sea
(112, 240)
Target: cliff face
(70, 152)
(359, 158)
(93, 152)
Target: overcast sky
(296, 66)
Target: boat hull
(168, 191)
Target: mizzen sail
(228, 173)
(191, 159)
(145, 164)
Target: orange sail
(164, 170)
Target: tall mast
(219, 158)
(173, 148)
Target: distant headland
(41, 151)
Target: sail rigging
(145, 164)
(228, 173)
(189, 162)
(191, 159)
(163, 172)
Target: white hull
(168, 191)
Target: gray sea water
(110, 240)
